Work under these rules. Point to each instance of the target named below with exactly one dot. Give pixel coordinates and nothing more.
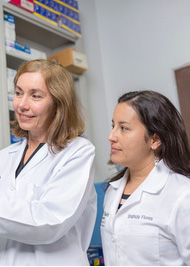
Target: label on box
(23, 48)
(10, 20)
(79, 60)
(27, 5)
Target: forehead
(126, 113)
(34, 80)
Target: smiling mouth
(25, 116)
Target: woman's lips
(114, 149)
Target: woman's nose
(23, 104)
(112, 136)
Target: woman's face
(33, 104)
(128, 145)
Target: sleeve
(180, 226)
(57, 205)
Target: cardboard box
(25, 4)
(73, 60)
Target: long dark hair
(160, 117)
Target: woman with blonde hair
(47, 199)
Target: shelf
(37, 29)
(14, 62)
(34, 32)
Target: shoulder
(78, 147)
(80, 143)
(179, 182)
(12, 148)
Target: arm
(57, 205)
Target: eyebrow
(122, 122)
(33, 90)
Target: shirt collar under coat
(154, 182)
(16, 152)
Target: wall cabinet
(30, 31)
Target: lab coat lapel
(15, 154)
(153, 184)
(118, 186)
(35, 160)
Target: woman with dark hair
(47, 198)
(147, 205)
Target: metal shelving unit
(31, 31)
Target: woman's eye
(124, 128)
(36, 96)
(17, 93)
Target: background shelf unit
(30, 31)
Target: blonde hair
(68, 122)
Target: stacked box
(43, 11)
(68, 11)
(15, 139)
(10, 86)
(71, 3)
(10, 80)
(28, 5)
(69, 16)
(10, 34)
(70, 26)
(73, 60)
(62, 13)
(95, 256)
(16, 48)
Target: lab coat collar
(154, 182)
(16, 151)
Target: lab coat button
(12, 188)
(113, 238)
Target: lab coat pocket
(140, 243)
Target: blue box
(69, 13)
(46, 13)
(23, 48)
(71, 3)
(95, 256)
(9, 18)
(15, 139)
(70, 26)
(50, 3)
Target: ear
(156, 142)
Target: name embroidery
(105, 214)
(139, 217)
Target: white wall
(130, 45)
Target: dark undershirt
(124, 197)
(21, 164)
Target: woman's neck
(137, 176)
(33, 142)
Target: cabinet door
(182, 76)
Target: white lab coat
(47, 213)
(153, 225)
